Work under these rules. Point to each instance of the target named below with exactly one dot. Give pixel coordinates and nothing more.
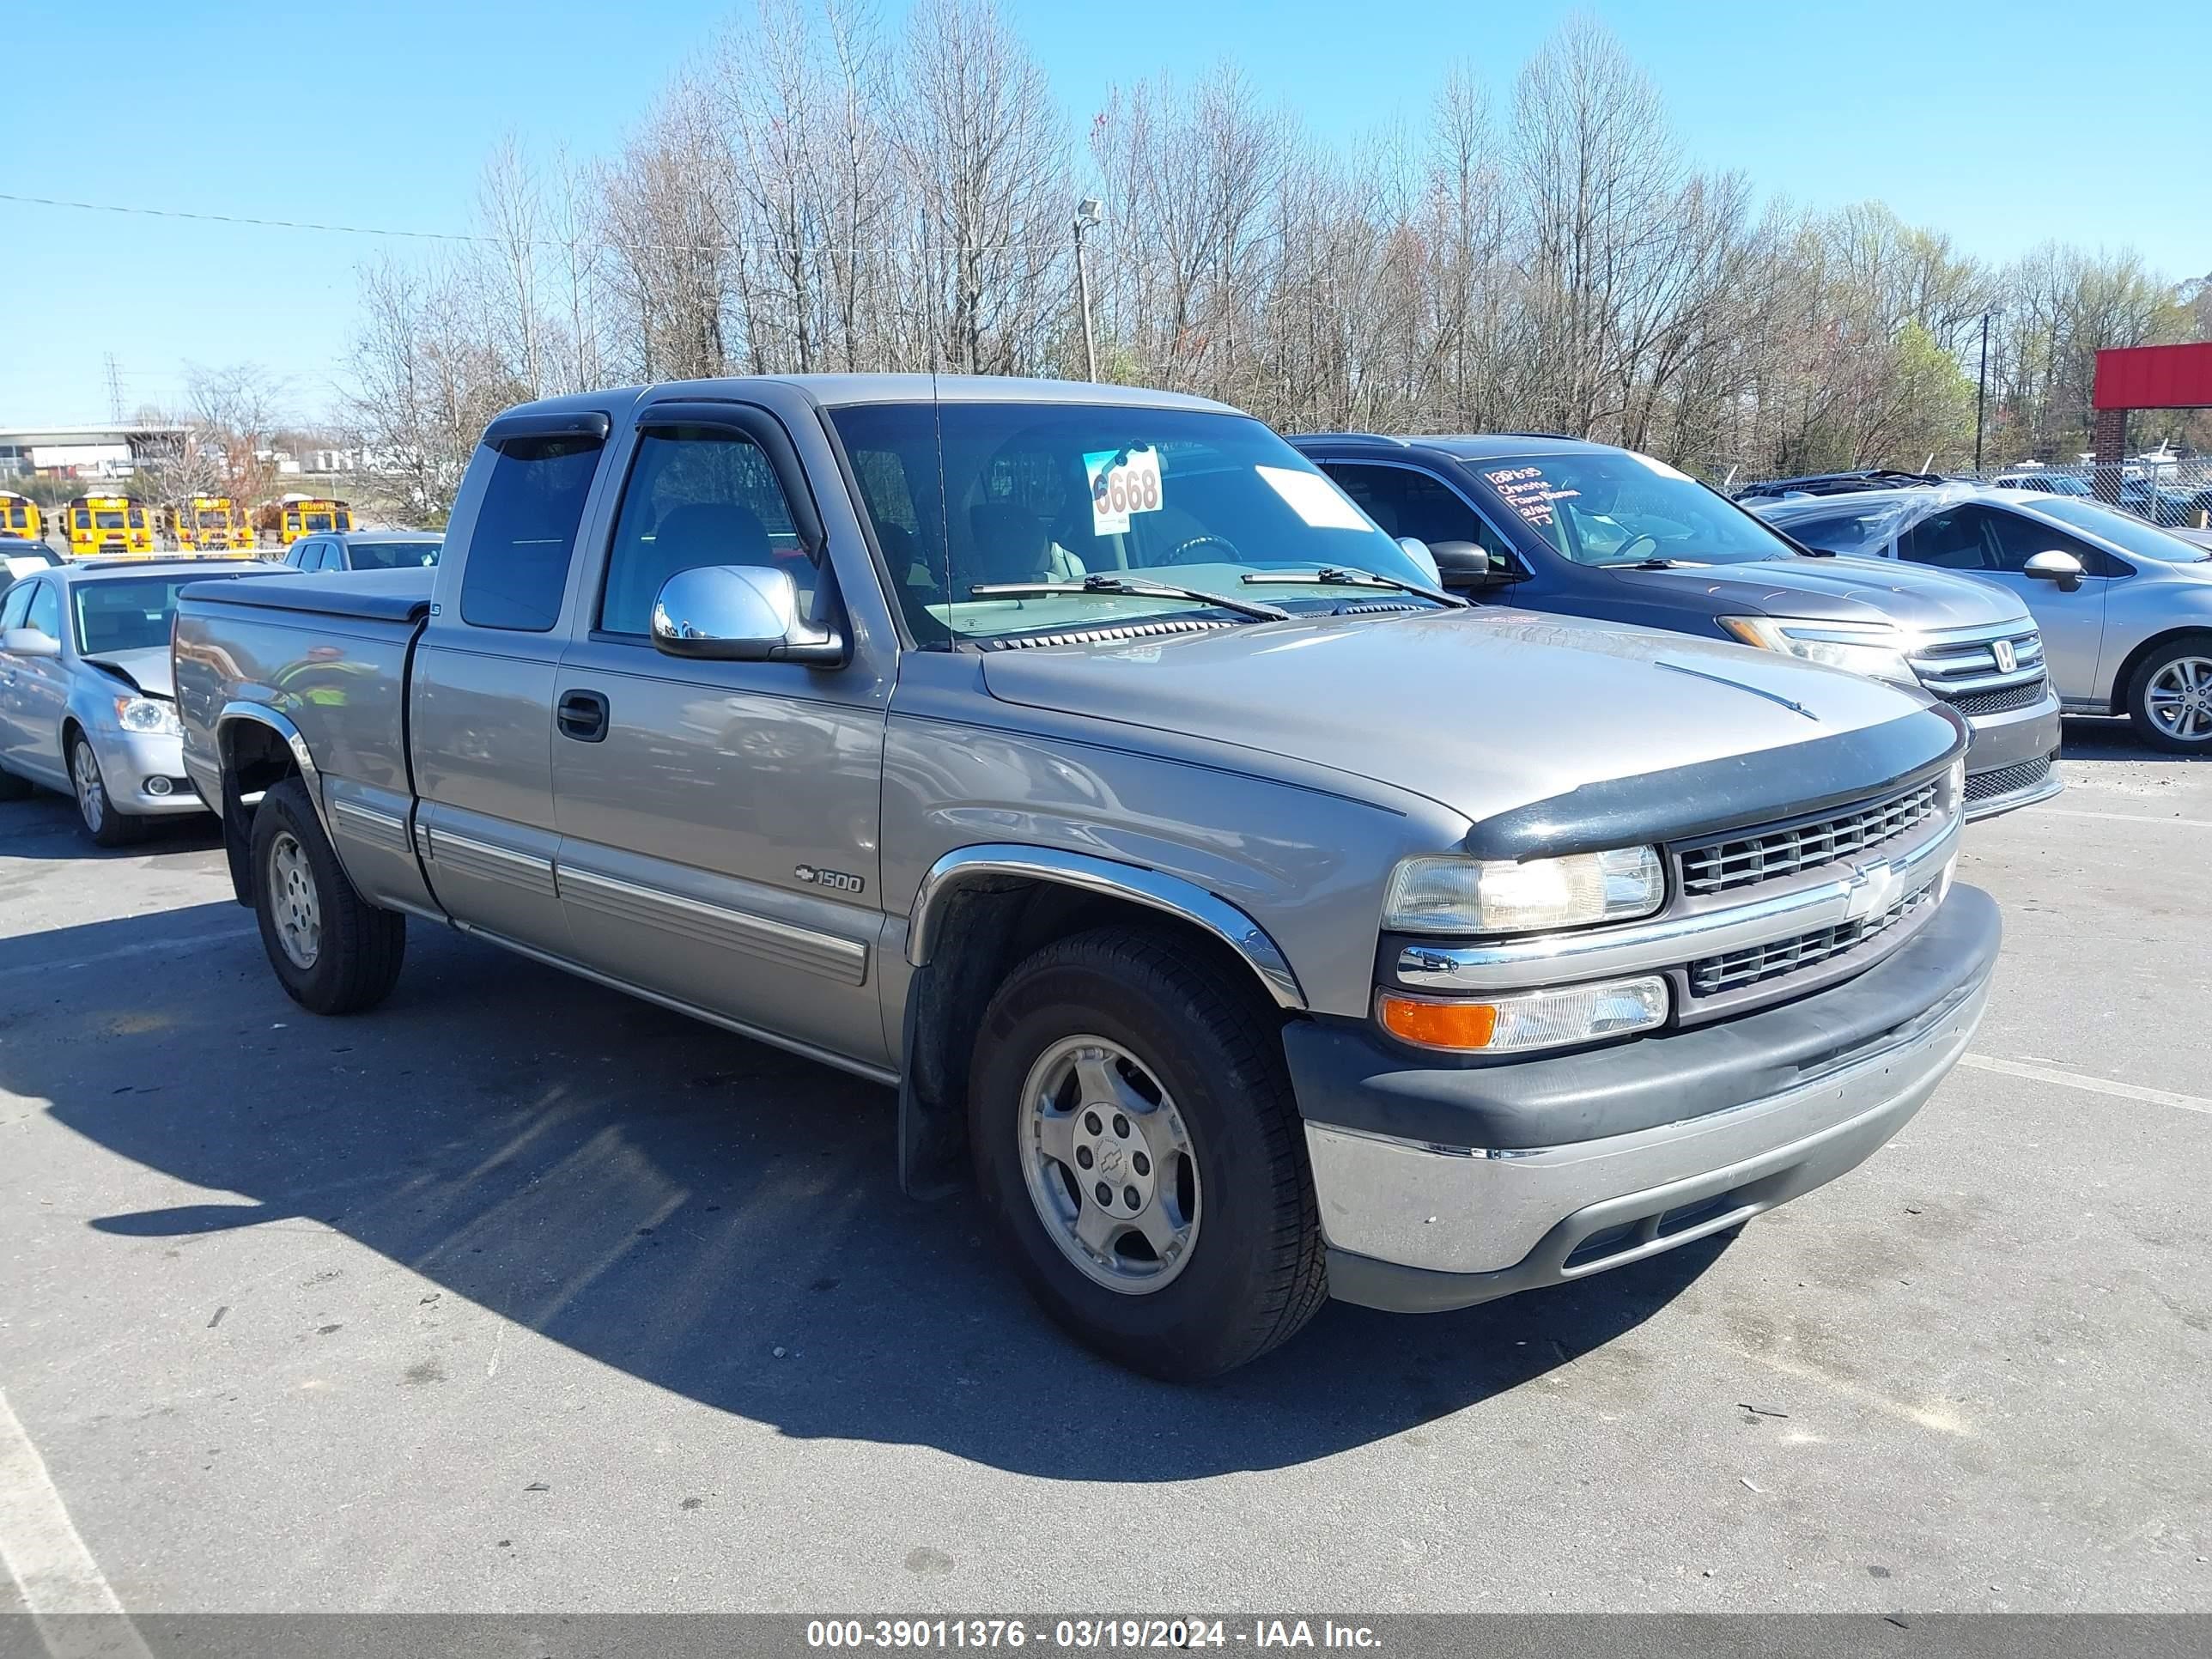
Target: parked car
(21, 556)
(1568, 527)
(86, 705)
(2125, 608)
(2047, 483)
(365, 549)
(1835, 483)
(1262, 923)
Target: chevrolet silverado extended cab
(1258, 922)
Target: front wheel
(1132, 1127)
(2170, 697)
(334, 951)
(96, 810)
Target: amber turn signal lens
(1438, 1024)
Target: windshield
(319, 521)
(2123, 530)
(1615, 507)
(1066, 492)
(132, 615)
(212, 518)
(108, 520)
(392, 555)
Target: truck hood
(1845, 590)
(1481, 710)
(148, 670)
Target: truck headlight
(150, 715)
(1515, 1023)
(1452, 894)
(1875, 649)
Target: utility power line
(728, 245)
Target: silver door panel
(369, 828)
(493, 874)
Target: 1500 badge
(836, 880)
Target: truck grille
(1754, 963)
(1988, 785)
(1975, 704)
(1765, 855)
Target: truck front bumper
(1440, 1186)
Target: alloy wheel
(2180, 699)
(1109, 1165)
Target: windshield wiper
(1656, 562)
(1330, 575)
(1122, 586)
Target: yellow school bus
(212, 523)
(110, 524)
(307, 515)
(20, 516)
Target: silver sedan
(2124, 608)
(86, 698)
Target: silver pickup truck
(1259, 923)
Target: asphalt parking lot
(518, 1294)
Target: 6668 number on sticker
(1122, 481)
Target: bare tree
(984, 154)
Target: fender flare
(1153, 889)
(261, 714)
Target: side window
(525, 532)
(696, 495)
(2021, 538)
(1961, 538)
(12, 607)
(45, 611)
(1409, 503)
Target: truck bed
(399, 596)
(325, 658)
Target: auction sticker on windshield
(1528, 492)
(1122, 481)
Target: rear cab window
(525, 534)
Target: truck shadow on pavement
(705, 1213)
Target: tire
(14, 788)
(2169, 697)
(1195, 1060)
(103, 822)
(333, 951)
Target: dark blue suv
(1561, 525)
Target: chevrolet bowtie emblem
(2007, 658)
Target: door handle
(581, 715)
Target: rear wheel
(1132, 1127)
(334, 951)
(2170, 698)
(103, 821)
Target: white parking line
(2122, 817)
(2095, 1086)
(198, 942)
(53, 1571)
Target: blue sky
(1980, 119)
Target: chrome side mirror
(31, 643)
(2055, 566)
(738, 613)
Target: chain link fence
(2171, 490)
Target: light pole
(1087, 214)
(1982, 387)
